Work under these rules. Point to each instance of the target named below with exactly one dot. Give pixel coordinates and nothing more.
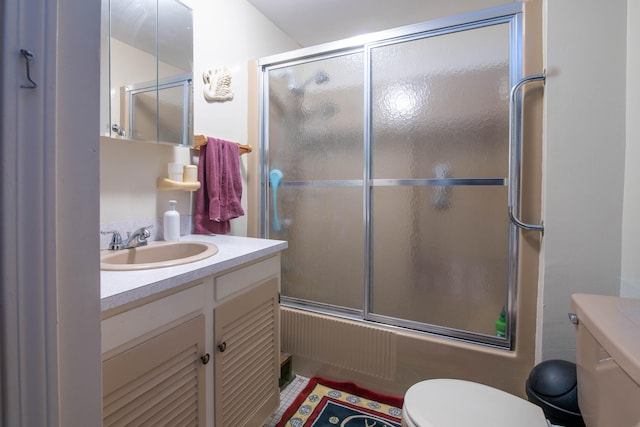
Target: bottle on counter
(172, 223)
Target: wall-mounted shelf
(168, 184)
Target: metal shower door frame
(511, 14)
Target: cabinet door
(247, 357)
(158, 382)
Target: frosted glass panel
(325, 259)
(316, 119)
(446, 105)
(316, 140)
(443, 114)
(446, 268)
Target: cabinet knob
(205, 359)
(222, 347)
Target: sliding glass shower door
(386, 169)
(316, 154)
(439, 159)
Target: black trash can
(553, 386)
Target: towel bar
(200, 140)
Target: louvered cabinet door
(160, 382)
(247, 357)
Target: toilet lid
(458, 403)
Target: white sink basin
(156, 255)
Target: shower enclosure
(390, 164)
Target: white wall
(630, 280)
(584, 160)
(225, 33)
(129, 198)
(230, 34)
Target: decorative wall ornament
(217, 85)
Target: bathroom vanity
(196, 344)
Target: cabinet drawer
(137, 322)
(245, 278)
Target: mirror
(150, 71)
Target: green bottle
(501, 326)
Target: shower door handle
(275, 176)
(515, 153)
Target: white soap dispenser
(172, 223)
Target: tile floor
(288, 395)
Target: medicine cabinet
(147, 67)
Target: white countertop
(123, 287)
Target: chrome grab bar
(515, 153)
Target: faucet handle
(116, 240)
(146, 233)
(143, 230)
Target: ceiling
(312, 22)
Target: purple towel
(218, 199)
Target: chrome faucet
(135, 239)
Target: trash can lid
(553, 378)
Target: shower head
(321, 77)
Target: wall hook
(28, 56)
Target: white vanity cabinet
(205, 353)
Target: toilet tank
(608, 359)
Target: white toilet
(608, 372)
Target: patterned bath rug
(325, 403)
